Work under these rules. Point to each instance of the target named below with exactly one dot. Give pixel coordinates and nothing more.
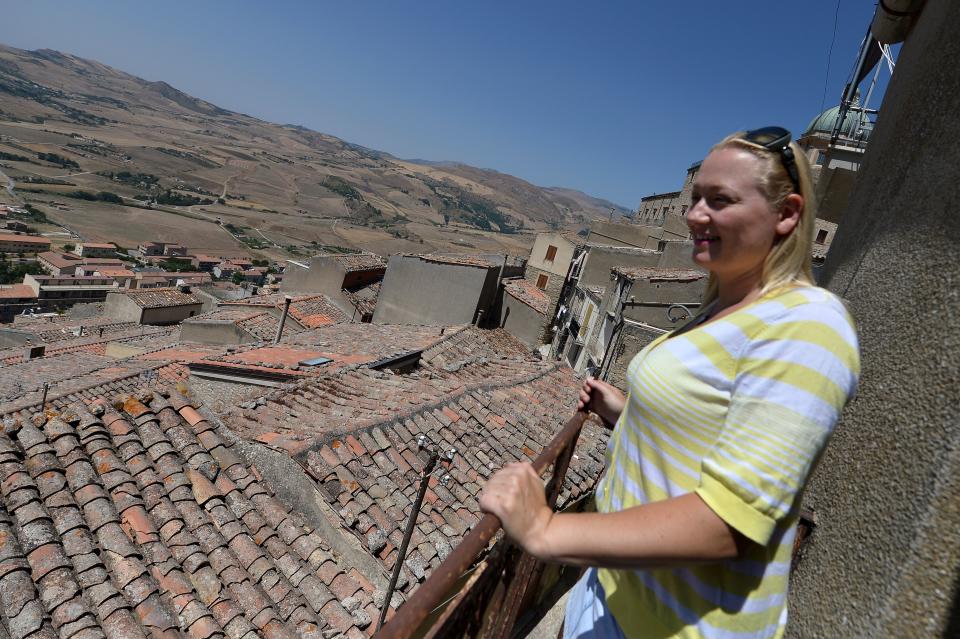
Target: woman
(722, 424)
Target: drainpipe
(283, 318)
(496, 290)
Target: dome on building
(825, 122)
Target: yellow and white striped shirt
(737, 410)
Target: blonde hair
(789, 261)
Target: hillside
(220, 181)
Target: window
(821, 156)
(683, 210)
(821, 236)
(551, 253)
(542, 282)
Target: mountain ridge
(112, 121)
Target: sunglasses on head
(776, 139)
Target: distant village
(591, 299)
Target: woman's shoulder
(799, 301)
(803, 308)
(808, 326)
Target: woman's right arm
(603, 399)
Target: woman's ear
(790, 212)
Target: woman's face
(733, 225)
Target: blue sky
(616, 99)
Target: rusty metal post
(283, 318)
(43, 402)
(411, 522)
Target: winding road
(9, 185)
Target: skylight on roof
(315, 361)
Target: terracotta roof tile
(380, 496)
(350, 262)
(63, 341)
(310, 311)
(364, 299)
(525, 291)
(16, 291)
(137, 519)
(460, 260)
(60, 260)
(659, 274)
(356, 432)
(161, 297)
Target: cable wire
(826, 79)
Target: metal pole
(411, 522)
(43, 402)
(283, 318)
(440, 583)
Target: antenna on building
(423, 444)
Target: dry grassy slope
(283, 178)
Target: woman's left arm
(678, 531)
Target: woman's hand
(515, 494)
(603, 399)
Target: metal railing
(489, 601)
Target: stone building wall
(554, 287)
(654, 208)
(884, 557)
(632, 339)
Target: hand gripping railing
(488, 604)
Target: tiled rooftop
(14, 237)
(102, 261)
(310, 310)
(659, 274)
(15, 291)
(355, 261)
(218, 554)
(259, 322)
(137, 519)
(461, 260)
(92, 342)
(369, 475)
(48, 330)
(364, 299)
(21, 385)
(60, 260)
(87, 387)
(316, 311)
(528, 293)
(356, 430)
(293, 417)
(377, 340)
(616, 248)
(283, 358)
(115, 272)
(161, 297)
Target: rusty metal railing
(501, 588)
